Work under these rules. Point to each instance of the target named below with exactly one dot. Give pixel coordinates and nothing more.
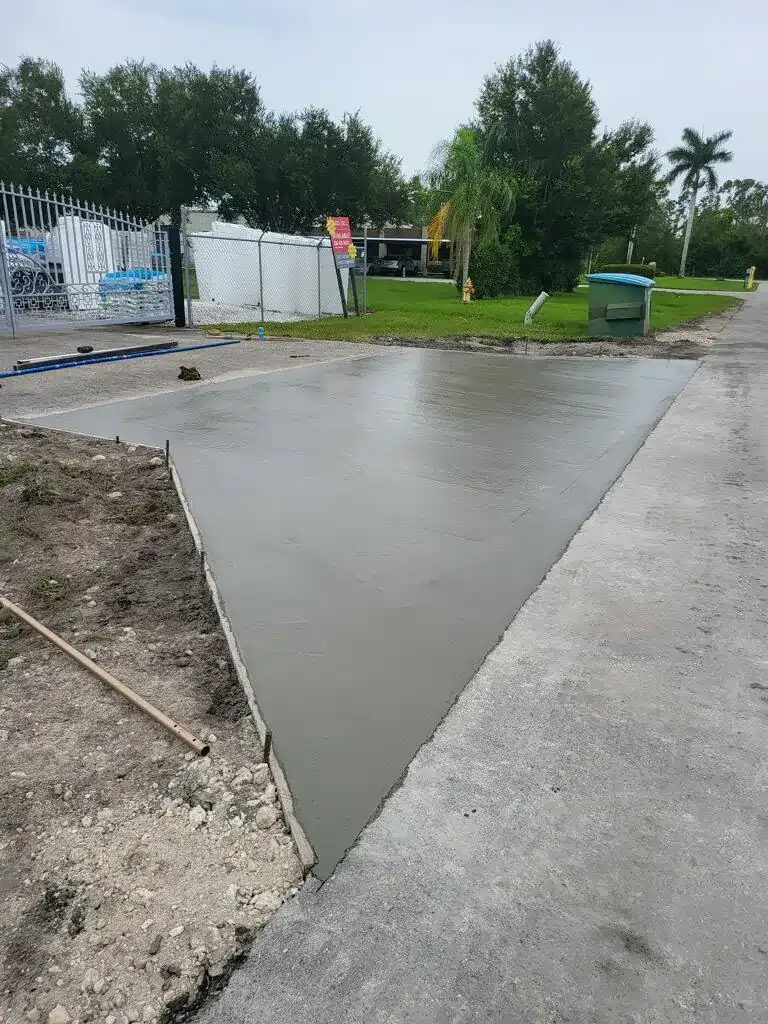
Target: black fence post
(353, 282)
(177, 275)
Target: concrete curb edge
(306, 853)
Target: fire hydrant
(468, 291)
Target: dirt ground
(691, 342)
(133, 873)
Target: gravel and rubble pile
(155, 900)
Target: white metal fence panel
(65, 263)
(5, 284)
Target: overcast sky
(414, 68)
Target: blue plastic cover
(135, 274)
(26, 246)
(636, 279)
(129, 280)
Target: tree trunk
(465, 250)
(688, 229)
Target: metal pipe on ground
(136, 699)
(79, 357)
(112, 359)
(534, 309)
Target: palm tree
(472, 197)
(693, 162)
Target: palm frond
(721, 156)
(679, 170)
(693, 138)
(436, 228)
(720, 137)
(679, 155)
(436, 162)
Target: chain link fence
(234, 274)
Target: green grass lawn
(194, 291)
(421, 310)
(712, 284)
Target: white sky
(414, 69)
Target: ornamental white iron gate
(64, 263)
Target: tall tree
(39, 125)
(473, 197)
(694, 162)
(302, 168)
(160, 135)
(631, 184)
(539, 122)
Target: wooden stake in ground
(106, 677)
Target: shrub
(509, 266)
(551, 276)
(643, 269)
(494, 271)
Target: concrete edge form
(306, 853)
(304, 848)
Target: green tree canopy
(748, 199)
(149, 140)
(540, 123)
(40, 127)
(298, 168)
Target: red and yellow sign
(344, 249)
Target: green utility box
(619, 305)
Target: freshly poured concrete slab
(375, 524)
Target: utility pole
(631, 244)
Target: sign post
(365, 266)
(344, 252)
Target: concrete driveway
(374, 523)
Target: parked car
(399, 266)
(439, 268)
(360, 266)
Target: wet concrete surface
(38, 393)
(375, 524)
